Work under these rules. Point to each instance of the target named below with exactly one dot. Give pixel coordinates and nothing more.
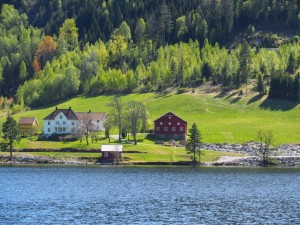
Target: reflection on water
(145, 195)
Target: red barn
(170, 126)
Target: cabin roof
(27, 121)
(112, 148)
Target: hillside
(221, 117)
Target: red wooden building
(111, 153)
(170, 126)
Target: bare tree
(117, 108)
(85, 125)
(108, 126)
(265, 139)
(136, 115)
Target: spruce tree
(194, 142)
(10, 132)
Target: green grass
(162, 155)
(220, 118)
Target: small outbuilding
(28, 126)
(170, 126)
(111, 153)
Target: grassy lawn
(162, 155)
(220, 118)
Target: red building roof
(169, 114)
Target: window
(73, 123)
(64, 129)
(60, 117)
(173, 128)
(170, 123)
(170, 117)
(64, 122)
(161, 123)
(181, 129)
(165, 128)
(59, 129)
(157, 128)
(48, 130)
(48, 122)
(98, 121)
(55, 129)
(57, 122)
(178, 124)
(106, 154)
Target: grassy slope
(220, 118)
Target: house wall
(60, 125)
(171, 127)
(98, 125)
(110, 155)
(28, 128)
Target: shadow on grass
(278, 104)
(235, 100)
(255, 99)
(231, 95)
(221, 95)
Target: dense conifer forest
(54, 50)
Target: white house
(67, 121)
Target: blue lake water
(147, 195)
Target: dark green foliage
(194, 143)
(10, 132)
(261, 87)
(140, 46)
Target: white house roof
(112, 148)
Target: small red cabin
(111, 153)
(170, 126)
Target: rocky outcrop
(252, 148)
(29, 159)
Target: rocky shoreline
(287, 155)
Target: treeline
(39, 69)
(166, 21)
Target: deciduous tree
(136, 114)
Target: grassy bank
(220, 117)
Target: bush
(182, 90)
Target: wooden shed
(28, 126)
(111, 153)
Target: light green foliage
(68, 36)
(125, 31)
(23, 71)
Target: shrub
(182, 90)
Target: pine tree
(194, 142)
(10, 132)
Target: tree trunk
(10, 151)
(87, 139)
(134, 138)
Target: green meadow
(221, 118)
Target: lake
(148, 195)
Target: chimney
(70, 108)
(90, 111)
(56, 108)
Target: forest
(55, 50)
